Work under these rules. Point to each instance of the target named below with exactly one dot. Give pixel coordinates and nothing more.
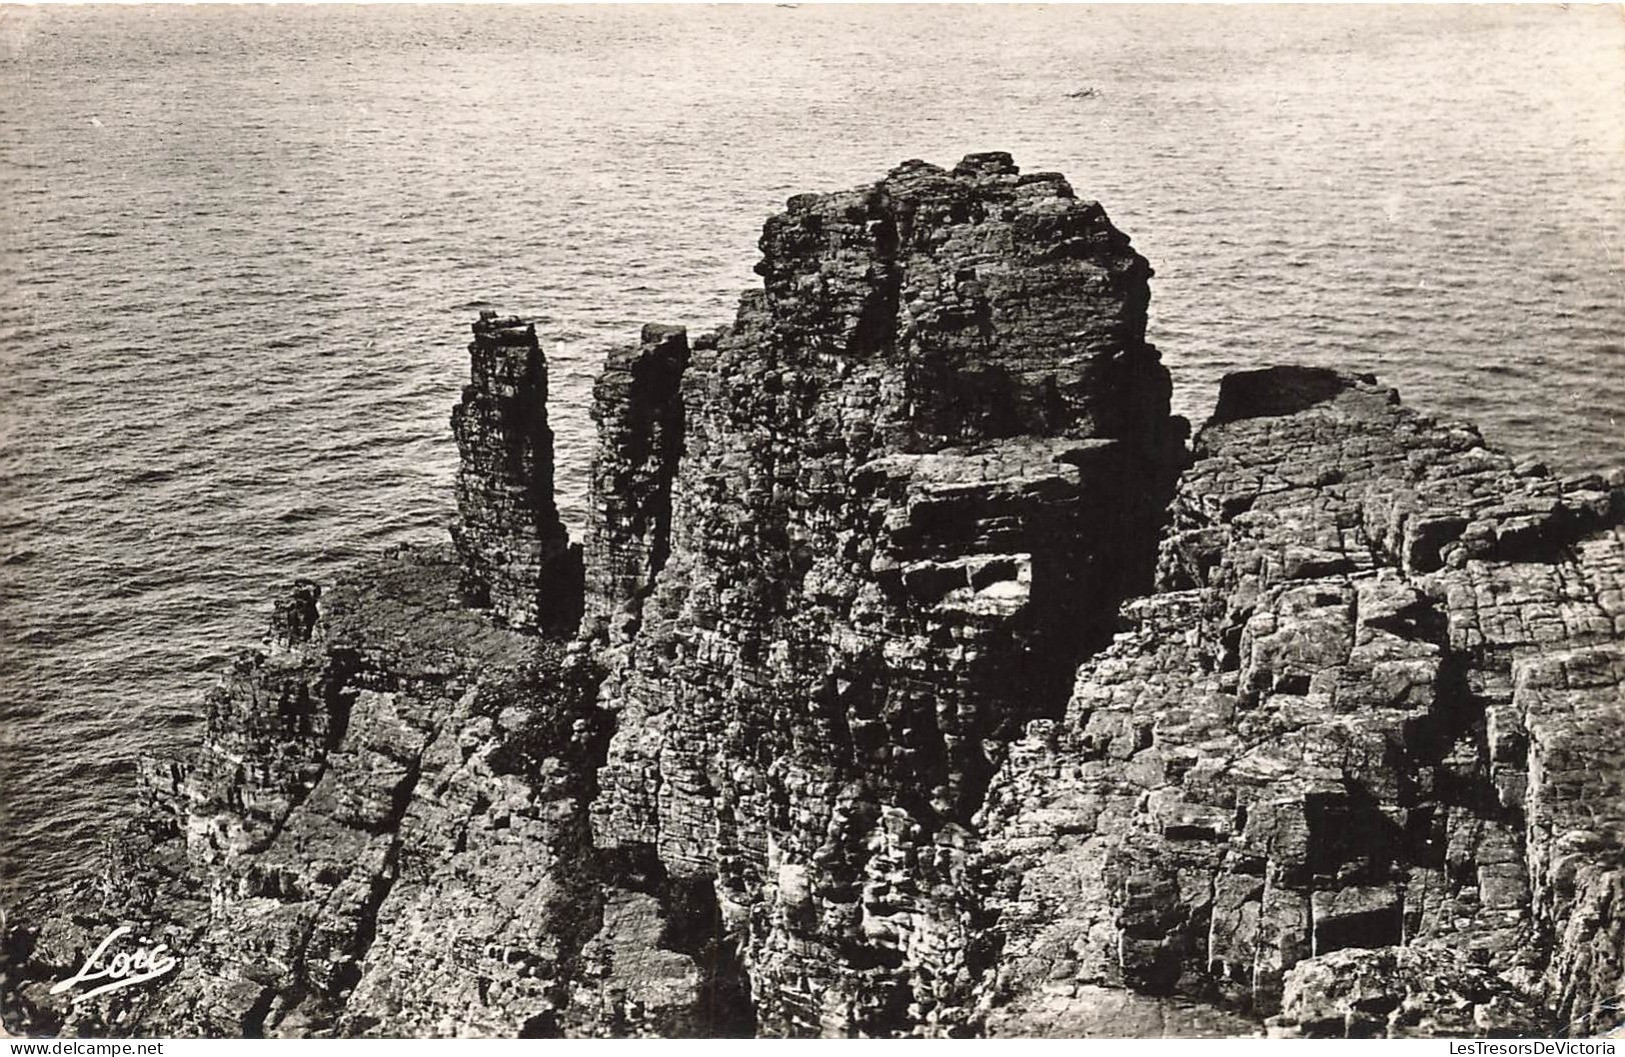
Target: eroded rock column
(638, 407)
(920, 471)
(516, 554)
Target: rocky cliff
(1352, 764)
(925, 683)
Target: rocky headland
(917, 674)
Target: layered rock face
(921, 470)
(382, 833)
(1328, 772)
(516, 554)
(638, 409)
(926, 685)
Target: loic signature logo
(124, 968)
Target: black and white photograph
(812, 520)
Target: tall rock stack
(922, 468)
(638, 408)
(516, 554)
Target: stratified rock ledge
(1324, 773)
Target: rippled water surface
(240, 247)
